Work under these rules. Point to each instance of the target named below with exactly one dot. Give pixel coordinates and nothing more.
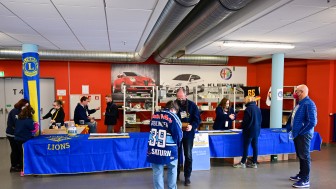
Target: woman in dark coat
(15, 151)
(24, 129)
(56, 114)
(111, 114)
(251, 130)
(224, 115)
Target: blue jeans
(302, 147)
(187, 144)
(246, 143)
(171, 174)
(92, 126)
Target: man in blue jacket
(80, 114)
(164, 139)
(190, 118)
(301, 127)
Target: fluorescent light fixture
(255, 44)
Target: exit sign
(2, 74)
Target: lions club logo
(226, 73)
(59, 138)
(30, 66)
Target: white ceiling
(124, 25)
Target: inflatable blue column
(31, 78)
(277, 90)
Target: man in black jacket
(111, 114)
(190, 118)
(80, 114)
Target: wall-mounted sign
(2, 74)
(61, 92)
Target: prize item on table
(81, 122)
(72, 130)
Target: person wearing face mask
(56, 114)
(164, 140)
(251, 130)
(190, 118)
(301, 125)
(224, 115)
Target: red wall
(320, 80)
(318, 75)
(96, 75)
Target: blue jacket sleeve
(310, 120)
(176, 131)
(11, 119)
(246, 119)
(195, 117)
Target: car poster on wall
(173, 77)
(133, 75)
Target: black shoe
(187, 182)
(14, 169)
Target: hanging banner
(31, 78)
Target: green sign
(2, 74)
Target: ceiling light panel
(86, 19)
(126, 30)
(32, 10)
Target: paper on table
(236, 129)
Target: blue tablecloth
(271, 141)
(68, 155)
(71, 155)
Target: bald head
(302, 91)
(181, 94)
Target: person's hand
(231, 116)
(189, 128)
(103, 113)
(98, 108)
(52, 121)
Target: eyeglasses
(296, 91)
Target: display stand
(135, 102)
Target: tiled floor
(221, 175)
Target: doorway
(11, 91)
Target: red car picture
(130, 79)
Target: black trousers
(15, 152)
(187, 148)
(20, 146)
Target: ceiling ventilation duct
(201, 19)
(198, 60)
